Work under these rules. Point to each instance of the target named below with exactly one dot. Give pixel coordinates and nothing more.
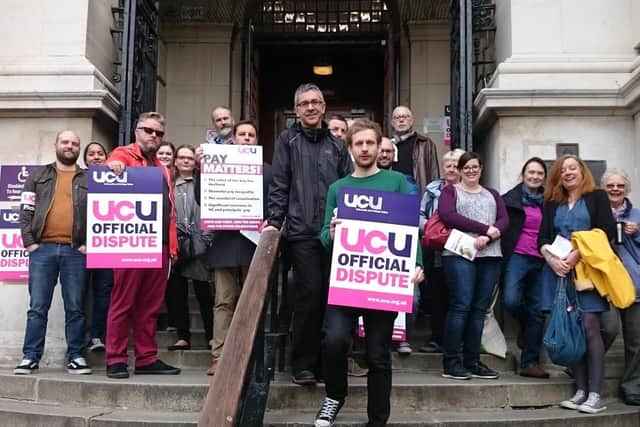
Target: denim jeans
(522, 294)
(470, 285)
(46, 263)
(338, 337)
(101, 280)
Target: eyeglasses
(612, 186)
(314, 103)
(401, 117)
(472, 168)
(386, 151)
(151, 131)
(186, 158)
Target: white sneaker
(577, 400)
(593, 404)
(26, 367)
(78, 366)
(96, 344)
(404, 348)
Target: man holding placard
(372, 272)
(138, 293)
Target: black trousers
(311, 265)
(338, 336)
(177, 299)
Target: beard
(365, 164)
(225, 132)
(64, 158)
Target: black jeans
(311, 265)
(177, 299)
(338, 337)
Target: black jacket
(515, 211)
(599, 210)
(306, 162)
(41, 184)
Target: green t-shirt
(384, 180)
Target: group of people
(312, 160)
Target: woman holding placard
(573, 203)
(480, 214)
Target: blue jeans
(46, 263)
(102, 283)
(470, 287)
(522, 294)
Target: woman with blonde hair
(573, 203)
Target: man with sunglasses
(138, 294)
(306, 161)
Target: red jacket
(131, 155)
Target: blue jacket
(629, 250)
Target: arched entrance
(283, 41)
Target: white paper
(461, 244)
(560, 247)
(252, 235)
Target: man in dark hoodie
(306, 161)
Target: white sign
(231, 187)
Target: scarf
(401, 138)
(619, 211)
(529, 199)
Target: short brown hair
(555, 192)
(363, 124)
(150, 115)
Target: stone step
(616, 415)
(186, 392)
(29, 414)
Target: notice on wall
(446, 140)
(12, 179)
(374, 250)
(124, 218)
(14, 258)
(231, 187)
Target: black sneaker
(157, 368)
(118, 371)
(327, 414)
(456, 372)
(26, 367)
(480, 370)
(304, 377)
(78, 366)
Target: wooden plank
(225, 391)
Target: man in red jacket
(137, 294)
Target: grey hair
(306, 87)
(452, 155)
(150, 115)
(619, 172)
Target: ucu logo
(247, 150)
(125, 210)
(108, 177)
(9, 216)
(363, 202)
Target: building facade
(551, 76)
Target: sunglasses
(151, 131)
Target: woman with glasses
(188, 222)
(479, 212)
(573, 203)
(618, 186)
(522, 279)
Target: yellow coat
(600, 265)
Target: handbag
(193, 242)
(435, 233)
(565, 336)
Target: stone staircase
(420, 397)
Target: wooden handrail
(225, 391)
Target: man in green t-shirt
(363, 139)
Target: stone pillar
(567, 73)
(55, 73)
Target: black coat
(305, 163)
(515, 211)
(230, 248)
(599, 211)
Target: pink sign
(374, 257)
(14, 258)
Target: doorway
(354, 89)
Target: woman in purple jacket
(481, 213)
